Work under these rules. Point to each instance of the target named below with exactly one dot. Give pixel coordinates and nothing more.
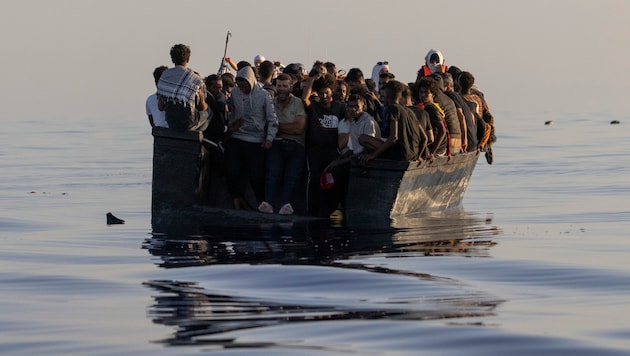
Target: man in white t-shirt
(156, 117)
(361, 123)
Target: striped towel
(180, 84)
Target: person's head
(355, 80)
(228, 75)
(265, 71)
(371, 85)
(356, 104)
(284, 85)
(157, 73)
(242, 64)
(331, 68)
(449, 84)
(426, 89)
(454, 71)
(439, 80)
(466, 81)
(391, 92)
(214, 84)
(245, 80)
(296, 70)
(434, 60)
(324, 88)
(405, 96)
(180, 54)
(319, 67)
(258, 59)
(228, 85)
(243, 85)
(384, 78)
(342, 91)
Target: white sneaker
(286, 209)
(265, 207)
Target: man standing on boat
(322, 139)
(286, 157)
(181, 93)
(254, 125)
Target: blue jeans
(285, 165)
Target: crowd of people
(274, 124)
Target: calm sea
(535, 262)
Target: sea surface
(535, 262)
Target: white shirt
(159, 117)
(365, 125)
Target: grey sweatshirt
(256, 109)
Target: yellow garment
(486, 136)
(439, 109)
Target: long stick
(224, 67)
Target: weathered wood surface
(176, 159)
(390, 188)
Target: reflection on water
(201, 309)
(319, 242)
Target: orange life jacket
(425, 71)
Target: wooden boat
(187, 189)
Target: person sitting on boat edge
(254, 123)
(285, 160)
(181, 93)
(404, 136)
(469, 134)
(451, 117)
(356, 122)
(422, 93)
(423, 123)
(156, 116)
(480, 108)
(359, 123)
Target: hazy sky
(93, 59)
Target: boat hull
(391, 188)
(187, 190)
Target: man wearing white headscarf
(433, 63)
(259, 59)
(378, 69)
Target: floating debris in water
(112, 220)
(614, 122)
(549, 122)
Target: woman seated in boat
(404, 135)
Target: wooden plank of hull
(390, 188)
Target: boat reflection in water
(268, 275)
